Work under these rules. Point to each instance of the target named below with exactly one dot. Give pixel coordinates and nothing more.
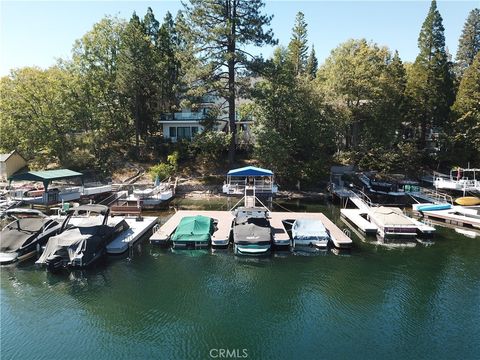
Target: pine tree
(430, 84)
(312, 65)
(220, 28)
(469, 43)
(298, 47)
(465, 126)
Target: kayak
(434, 207)
(468, 201)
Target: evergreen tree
(469, 43)
(220, 29)
(298, 47)
(136, 80)
(464, 136)
(312, 65)
(430, 84)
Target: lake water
(374, 302)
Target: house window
(194, 130)
(184, 133)
(173, 131)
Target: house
(10, 163)
(188, 122)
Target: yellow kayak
(468, 201)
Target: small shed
(10, 163)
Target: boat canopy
(194, 228)
(250, 171)
(46, 176)
(308, 228)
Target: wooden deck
(339, 238)
(219, 238)
(224, 224)
(354, 215)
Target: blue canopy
(250, 171)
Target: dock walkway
(354, 215)
(136, 230)
(225, 219)
(219, 238)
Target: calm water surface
(375, 302)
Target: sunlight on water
(372, 302)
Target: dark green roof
(46, 175)
(194, 228)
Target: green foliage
(469, 43)
(161, 171)
(463, 132)
(298, 48)
(209, 146)
(293, 131)
(220, 30)
(312, 65)
(430, 83)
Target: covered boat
(26, 232)
(193, 232)
(309, 232)
(252, 234)
(82, 239)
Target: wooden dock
(224, 223)
(355, 216)
(455, 217)
(137, 228)
(219, 238)
(339, 238)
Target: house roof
(46, 175)
(250, 171)
(5, 157)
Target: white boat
(309, 232)
(460, 179)
(151, 197)
(392, 223)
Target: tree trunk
(231, 86)
(137, 122)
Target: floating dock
(355, 216)
(224, 221)
(220, 237)
(137, 228)
(456, 217)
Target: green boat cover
(194, 229)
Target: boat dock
(455, 217)
(355, 216)
(220, 237)
(137, 228)
(224, 221)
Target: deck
(129, 237)
(354, 215)
(225, 218)
(219, 238)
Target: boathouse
(46, 177)
(10, 163)
(262, 180)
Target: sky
(36, 33)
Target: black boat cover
(254, 230)
(15, 235)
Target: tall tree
(469, 43)
(221, 28)
(298, 47)
(312, 64)
(430, 84)
(464, 130)
(135, 80)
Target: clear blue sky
(38, 32)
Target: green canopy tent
(194, 229)
(46, 177)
